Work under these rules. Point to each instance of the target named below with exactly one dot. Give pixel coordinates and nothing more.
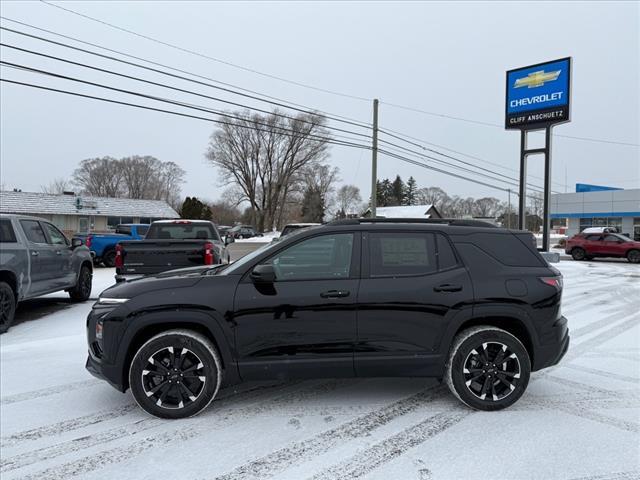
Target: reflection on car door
(412, 285)
(307, 317)
(40, 254)
(62, 272)
(612, 245)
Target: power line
(191, 92)
(250, 93)
(145, 107)
(507, 179)
(207, 57)
(165, 100)
(490, 124)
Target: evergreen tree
(312, 209)
(411, 191)
(194, 209)
(398, 192)
(385, 195)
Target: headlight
(111, 301)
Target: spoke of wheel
(504, 380)
(485, 386)
(164, 393)
(493, 391)
(179, 359)
(500, 356)
(189, 392)
(472, 379)
(157, 387)
(192, 368)
(172, 358)
(159, 365)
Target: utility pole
(374, 160)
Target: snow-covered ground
(265, 238)
(580, 420)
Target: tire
(82, 291)
(170, 394)
(109, 259)
(7, 306)
(469, 386)
(578, 254)
(633, 256)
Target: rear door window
(33, 231)
(393, 254)
(7, 235)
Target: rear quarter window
(446, 258)
(507, 248)
(7, 235)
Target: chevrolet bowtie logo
(537, 79)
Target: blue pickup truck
(103, 245)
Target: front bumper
(109, 373)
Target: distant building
(78, 213)
(406, 211)
(598, 206)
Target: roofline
(454, 222)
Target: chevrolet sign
(538, 95)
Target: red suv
(587, 246)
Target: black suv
(457, 300)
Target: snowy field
(580, 420)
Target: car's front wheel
(578, 254)
(7, 306)
(633, 256)
(175, 374)
(488, 368)
(82, 291)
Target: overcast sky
(447, 58)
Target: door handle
(447, 287)
(335, 294)
(34, 253)
(58, 252)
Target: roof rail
(455, 222)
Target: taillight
(553, 282)
(88, 241)
(208, 253)
(119, 262)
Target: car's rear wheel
(175, 374)
(488, 368)
(633, 256)
(82, 291)
(7, 306)
(109, 259)
(578, 254)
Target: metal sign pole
(546, 226)
(522, 204)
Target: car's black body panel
(399, 326)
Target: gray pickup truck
(35, 259)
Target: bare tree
(264, 155)
(101, 177)
(348, 200)
(56, 186)
(431, 196)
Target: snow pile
(266, 238)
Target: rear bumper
(550, 354)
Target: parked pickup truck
(103, 245)
(35, 259)
(168, 245)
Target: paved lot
(580, 420)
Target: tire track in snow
(392, 447)
(88, 464)
(630, 475)
(45, 392)
(94, 418)
(588, 413)
(298, 452)
(601, 338)
(603, 373)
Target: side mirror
(76, 242)
(228, 239)
(263, 274)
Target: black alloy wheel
(82, 291)
(7, 306)
(109, 259)
(175, 374)
(488, 368)
(578, 254)
(633, 256)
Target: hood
(180, 278)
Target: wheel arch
(155, 323)
(510, 324)
(10, 278)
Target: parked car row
(586, 246)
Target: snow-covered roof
(33, 203)
(405, 211)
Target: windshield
(624, 238)
(235, 266)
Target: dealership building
(79, 213)
(598, 206)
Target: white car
(600, 230)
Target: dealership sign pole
(537, 97)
